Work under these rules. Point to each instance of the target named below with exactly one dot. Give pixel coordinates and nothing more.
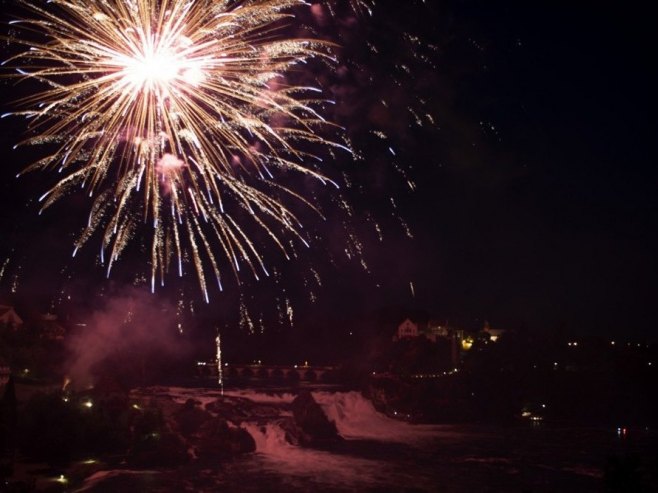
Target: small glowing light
(88, 404)
(622, 431)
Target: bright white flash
(155, 67)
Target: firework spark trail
(218, 357)
(360, 7)
(179, 114)
(3, 267)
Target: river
(384, 454)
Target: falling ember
(246, 323)
(3, 267)
(16, 280)
(218, 356)
(176, 114)
(290, 312)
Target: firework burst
(182, 115)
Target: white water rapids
(377, 453)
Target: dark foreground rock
(217, 439)
(310, 418)
(158, 450)
(190, 418)
(209, 435)
(433, 401)
(238, 409)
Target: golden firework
(178, 113)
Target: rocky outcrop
(158, 450)
(389, 395)
(237, 409)
(217, 429)
(432, 401)
(218, 439)
(209, 435)
(311, 420)
(190, 418)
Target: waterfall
(356, 418)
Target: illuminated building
(408, 329)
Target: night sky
(535, 203)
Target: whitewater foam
(278, 454)
(261, 397)
(356, 418)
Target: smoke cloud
(132, 340)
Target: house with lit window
(408, 329)
(437, 330)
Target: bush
(57, 431)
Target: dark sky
(538, 206)
(536, 189)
